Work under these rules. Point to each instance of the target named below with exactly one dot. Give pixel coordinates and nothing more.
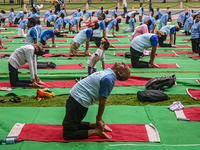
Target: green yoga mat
(174, 134)
(183, 81)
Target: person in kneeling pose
(141, 42)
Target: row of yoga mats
(173, 134)
(62, 84)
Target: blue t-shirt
(98, 13)
(144, 41)
(51, 18)
(82, 36)
(195, 30)
(153, 23)
(30, 14)
(147, 17)
(187, 24)
(131, 22)
(59, 22)
(75, 14)
(67, 20)
(164, 18)
(102, 25)
(130, 13)
(33, 33)
(47, 14)
(113, 12)
(40, 31)
(198, 12)
(89, 33)
(80, 14)
(23, 23)
(159, 14)
(62, 11)
(87, 91)
(11, 15)
(172, 30)
(180, 18)
(111, 24)
(48, 34)
(35, 15)
(20, 14)
(74, 21)
(88, 14)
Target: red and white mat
(53, 133)
(188, 114)
(194, 93)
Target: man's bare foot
(40, 82)
(104, 135)
(34, 84)
(107, 129)
(112, 46)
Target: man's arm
(104, 35)
(94, 63)
(166, 22)
(171, 39)
(153, 54)
(90, 19)
(133, 26)
(35, 41)
(22, 17)
(103, 65)
(77, 27)
(53, 41)
(113, 32)
(87, 46)
(25, 28)
(154, 27)
(99, 120)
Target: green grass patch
(60, 101)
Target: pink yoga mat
(185, 39)
(191, 113)
(194, 56)
(157, 55)
(178, 35)
(4, 47)
(50, 41)
(194, 93)
(94, 46)
(4, 54)
(183, 52)
(8, 41)
(180, 46)
(49, 84)
(65, 55)
(112, 40)
(71, 36)
(53, 133)
(70, 66)
(160, 65)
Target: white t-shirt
(101, 57)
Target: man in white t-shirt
(97, 55)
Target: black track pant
(195, 45)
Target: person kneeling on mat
(21, 56)
(92, 89)
(195, 35)
(96, 56)
(80, 38)
(169, 29)
(50, 34)
(141, 42)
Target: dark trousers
(127, 19)
(180, 25)
(163, 44)
(89, 69)
(187, 33)
(64, 24)
(70, 28)
(16, 20)
(49, 24)
(195, 45)
(14, 80)
(125, 11)
(97, 40)
(135, 56)
(73, 127)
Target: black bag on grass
(128, 55)
(162, 83)
(44, 65)
(152, 96)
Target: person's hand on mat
(100, 125)
(153, 65)
(104, 135)
(87, 52)
(53, 45)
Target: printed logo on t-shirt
(98, 73)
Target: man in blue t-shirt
(50, 34)
(32, 35)
(168, 29)
(94, 88)
(20, 15)
(163, 20)
(112, 24)
(141, 42)
(80, 38)
(75, 21)
(59, 22)
(159, 13)
(114, 11)
(50, 19)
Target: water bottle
(9, 140)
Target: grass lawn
(60, 101)
(108, 5)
